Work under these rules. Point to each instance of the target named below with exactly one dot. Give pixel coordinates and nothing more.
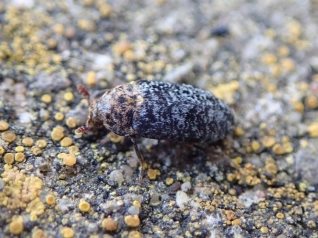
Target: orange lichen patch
(16, 225)
(91, 78)
(8, 158)
(132, 220)
(50, 199)
(269, 58)
(4, 126)
(313, 129)
(86, 25)
(21, 191)
(19, 148)
(280, 215)
(284, 148)
(8, 136)
(2, 150)
(247, 175)
(69, 96)
(67, 232)
(135, 234)
(288, 191)
(109, 224)
(41, 143)
(115, 138)
(27, 141)
(153, 173)
(46, 98)
(268, 141)
(57, 133)
(73, 149)
(35, 208)
(239, 131)
(38, 233)
(59, 116)
(71, 122)
(226, 91)
(119, 48)
(66, 141)
(169, 181)
(69, 159)
(19, 157)
(311, 102)
(84, 206)
(36, 150)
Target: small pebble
(181, 199)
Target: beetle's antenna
(83, 90)
(140, 157)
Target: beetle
(159, 110)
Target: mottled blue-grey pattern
(161, 110)
(180, 112)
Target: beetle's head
(93, 121)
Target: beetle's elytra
(160, 110)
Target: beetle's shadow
(185, 156)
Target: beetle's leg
(140, 157)
(83, 90)
(82, 129)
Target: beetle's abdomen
(180, 112)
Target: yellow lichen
(132, 220)
(109, 224)
(71, 122)
(67, 232)
(84, 206)
(66, 141)
(16, 225)
(57, 133)
(69, 159)
(27, 141)
(8, 136)
(21, 191)
(226, 91)
(4, 126)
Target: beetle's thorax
(116, 108)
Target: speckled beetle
(159, 110)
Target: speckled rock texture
(259, 57)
